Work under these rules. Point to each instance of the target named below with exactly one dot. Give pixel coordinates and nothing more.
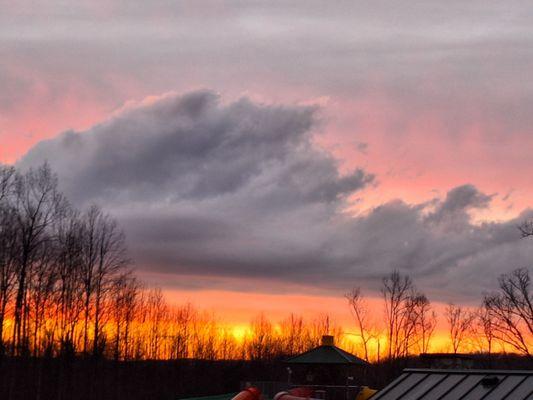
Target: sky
(265, 156)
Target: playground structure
(298, 393)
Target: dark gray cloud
(211, 189)
(192, 148)
(454, 210)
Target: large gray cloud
(205, 188)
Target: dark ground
(86, 378)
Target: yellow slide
(365, 393)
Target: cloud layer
(209, 190)
(426, 96)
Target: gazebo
(326, 366)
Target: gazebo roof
(327, 353)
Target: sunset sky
(268, 156)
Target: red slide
(251, 393)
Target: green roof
(326, 354)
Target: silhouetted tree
(182, 318)
(124, 296)
(90, 231)
(396, 291)
(110, 261)
(427, 322)
(261, 341)
(359, 310)
(511, 310)
(38, 204)
(294, 335)
(8, 245)
(417, 326)
(459, 321)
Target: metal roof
(326, 354)
(432, 384)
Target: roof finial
(328, 340)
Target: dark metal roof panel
(424, 387)
(409, 383)
(463, 387)
(397, 391)
(524, 391)
(383, 392)
(444, 386)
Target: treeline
(67, 287)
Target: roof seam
(415, 385)
(391, 385)
(452, 387)
(514, 388)
(432, 387)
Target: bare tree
(261, 341)
(181, 319)
(90, 225)
(482, 330)
(227, 348)
(38, 204)
(396, 291)
(511, 309)
(8, 245)
(110, 261)
(407, 336)
(41, 295)
(294, 335)
(427, 322)
(67, 265)
(418, 323)
(157, 310)
(459, 321)
(204, 336)
(8, 251)
(124, 293)
(359, 310)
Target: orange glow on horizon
(236, 311)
